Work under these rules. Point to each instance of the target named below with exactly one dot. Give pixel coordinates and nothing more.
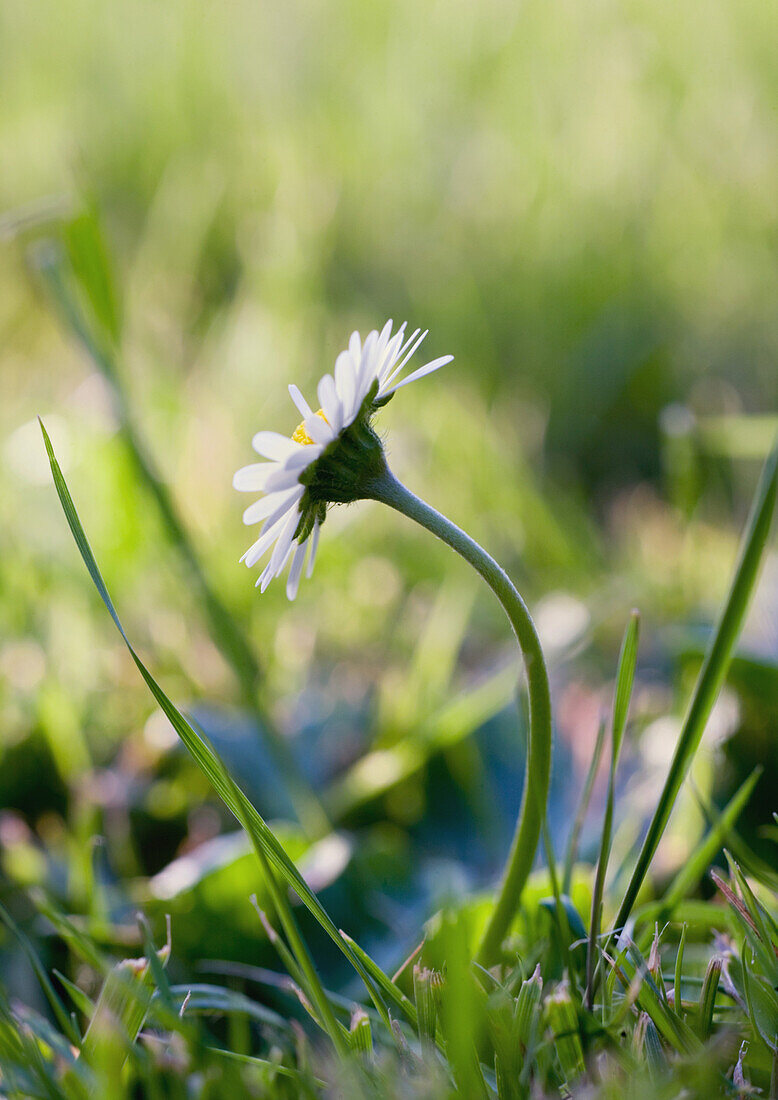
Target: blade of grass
(700, 860)
(674, 1030)
(272, 1067)
(560, 910)
(157, 960)
(313, 985)
(78, 941)
(708, 993)
(696, 866)
(583, 806)
(57, 1007)
(677, 1000)
(391, 991)
(225, 631)
(202, 997)
(81, 1000)
(230, 793)
(712, 673)
(625, 678)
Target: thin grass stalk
(712, 673)
(583, 805)
(315, 989)
(226, 633)
(208, 762)
(625, 677)
(678, 977)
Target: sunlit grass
(579, 201)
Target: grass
(249, 848)
(557, 1011)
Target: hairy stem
(389, 490)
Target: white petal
(288, 501)
(314, 547)
(288, 474)
(265, 540)
(393, 352)
(318, 430)
(369, 358)
(408, 354)
(390, 350)
(304, 457)
(328, 399)
(273, 445)
(428, 368)
(253, 478)
(271, 572)
(346, 384)
(282, 480)
(386, 332)
(355, 347)
(262, 508)
(296, 569)
(382, 342)
(367, 368)
(409, 341)
(264, 578)
(284, 543)
(303, 407)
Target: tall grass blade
(90, 272)
(700, 860)
(226, 634)
(299, 948)
(712, 673)
(389, 988)
(678, 977)
(230, 793)
(625, 678)
(575, 833)
(59, 1010)
(708, 993)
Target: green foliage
(582, 212)
(488, 1033)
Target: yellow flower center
(299, 435)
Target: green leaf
(677, 983)
(583, 806)
(390, 990)
(89, 259)
(203, 755)
(271, 1067)
(708, 993)
(625, 678)
(81, 1000)
(695, 867)
(205, 999)
(670, 1026)
(712, 673)
(59, 1010)
(762, 1005)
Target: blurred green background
(578, 200)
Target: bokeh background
(578, 200)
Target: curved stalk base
(389, 490)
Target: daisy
(332, 455)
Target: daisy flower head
(331, 457)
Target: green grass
(500, 1032)
(196, 207)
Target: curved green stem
(389, 490)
